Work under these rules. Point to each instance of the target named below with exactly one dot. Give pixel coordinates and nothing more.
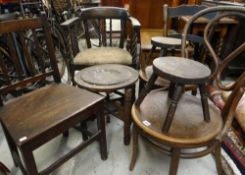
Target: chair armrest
(69, 23)
(70, 26)
(135, 23)
(135, 44)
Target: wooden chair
(188, 130)
(111, 37)
(171, 39)
(34, 118)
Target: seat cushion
(103, 55)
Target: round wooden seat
(181, 70)
(168, 42)
(106, 77)
(188, 126)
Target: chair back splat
(28, 62)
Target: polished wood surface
(32, 123)
(181, 70)
(106, 77)
(110, 78)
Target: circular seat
(181, 70)
(168, 42)
(188, 126)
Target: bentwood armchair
(189, 130)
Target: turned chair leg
(204, 99)
(217, 155)
(147, 88)
(174, 161)
(174, 97)
(129, 92)
(135, 149)
(102, 140)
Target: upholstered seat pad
(188, 126)
(103, 55)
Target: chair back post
(101, 16)
(175, 12)
(50, 47)
(165, 20)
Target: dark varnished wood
(124, 39)
(106, 77)
(110, 78)
(181, 70)
(36, 117)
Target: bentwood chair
(189, 134)
(171, 39)
(51, 108)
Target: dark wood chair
(188, 129)
(171, 39)
(111, 37)
(51, 108)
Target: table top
(106, 77)
(203, 20)
(181, 70)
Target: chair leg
(148, 58)
(174, 161)
(66, 133)
(217, 154)
(175, 96)
(204, 100)
(135, 149)
(12, 147)
(102, 139)
(141, 85)
(127, 114)
(149, 86)
(84, 128)
(3, 169)
(28, 158)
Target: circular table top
(166, 41)
(106, 77)
(181, 70)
